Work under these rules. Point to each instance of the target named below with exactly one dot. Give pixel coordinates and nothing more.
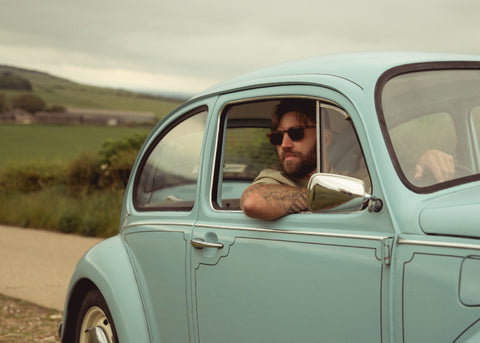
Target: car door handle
(199, 243)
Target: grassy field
(100, 98)
(58, 176)
(20, 143)
(51, 177)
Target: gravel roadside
(35, 269)
(24, 322)
(36, 265)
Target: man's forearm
(269, 202)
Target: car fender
(471, 334)
(107, 267)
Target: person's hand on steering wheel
(441, 165)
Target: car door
(162, 211)
(304, 277)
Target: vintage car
(392, 257)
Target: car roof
(361, 69)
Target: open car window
(246, 152)
(244, 149)
(167, 179)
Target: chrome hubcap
(95, 327)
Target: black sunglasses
(295, 133)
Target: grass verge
(92, 214)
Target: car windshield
(436, 112)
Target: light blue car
(389, 250)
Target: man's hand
(271, 201)
(440, 164)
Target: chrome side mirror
(333, 193)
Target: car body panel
(443, 213)
(292, 298)
(164, 293)
(431, 275)
(406, 273)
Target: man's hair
(304, 107)
(306, 112)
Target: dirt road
(36, 265)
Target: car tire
(94, 322)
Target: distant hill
(55, 90)
(40, 79)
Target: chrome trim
(333, 193)
(305, 233)
(129, 226)
(292, 232)
(439, 244)
(199, 243)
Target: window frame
(379, 88)
(221, 128)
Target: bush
(84, 196)
(114, 148)
(3, 103)
(117, 158)
(9, 80)
(31, 176)
(83, 174)
(56, 109)
(90, 172)
(115, 174)
(28, 102)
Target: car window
(245, 150)
(344, 152)
(476, 126)
(412, 138)
(429, 111)
(168, 176)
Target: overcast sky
(189, 45)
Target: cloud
(191, 44)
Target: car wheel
(94, 323)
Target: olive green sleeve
(274, 177)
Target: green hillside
(58, 91)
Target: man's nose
(286, 141)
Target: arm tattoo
(289, 199)
(299, 203)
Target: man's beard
(302, 167)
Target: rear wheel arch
(107, 268)
(77, 296)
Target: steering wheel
(428, 178)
